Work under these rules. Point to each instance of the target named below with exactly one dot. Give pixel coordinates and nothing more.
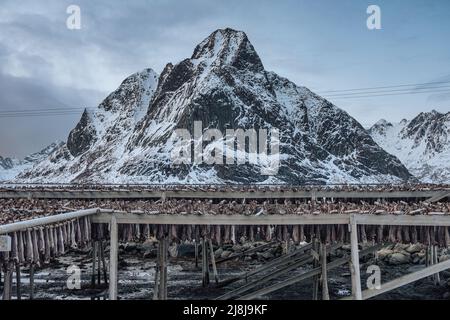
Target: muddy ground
(136, 279)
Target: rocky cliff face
(129, 138)
(422, 144)
(6, 163)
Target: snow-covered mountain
(7, 163)
(225, 86)
(11, 167)
(422, 144)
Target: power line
(31, 109)
(39, 114)
(356, 93)
(387, 91)
(389, 94)
(387, 87)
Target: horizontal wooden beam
(219, 194)
(221, 219)
(403, 220)
(105, 215)
(275, 219)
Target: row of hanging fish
(12, 210)
(40, 244)
(225, 187)
(221, 234)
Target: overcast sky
(324, 45)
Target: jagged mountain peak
(382, 122)
(380, 127)
(228, 47)
(223, 86)
(126, 96)
(427, 124)
(42, 154)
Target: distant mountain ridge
(10, 168)
(422, 144)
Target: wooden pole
(323, 256)
(7, 283)
(99, 266)
(31, 281)
(213, 261)
(196, 254)
(102, 251)
(205, 264)
(354, 265)
(18, 283)
(157, 267)
(437, 277)
(113, 258)
(315, 293)
(94, 258)
(163, 269)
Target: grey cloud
(20, 136)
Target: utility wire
(356, 93)
(388, 94)
(387, 87)
(387, 91)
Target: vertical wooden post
(102, 252)
(205, 264)
(18, 283)
(315, 293)
(213, 261)
(94, 258)
(354, 265)
(437, 277)
(323, 261)
(196, 253)
(113, 258)
(7, 283)
(32, 281)
(163, 268)
(157, 267)
(99, 265)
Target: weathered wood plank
(274, 219)
(113, 258)
(354, 266)
(306, 275)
